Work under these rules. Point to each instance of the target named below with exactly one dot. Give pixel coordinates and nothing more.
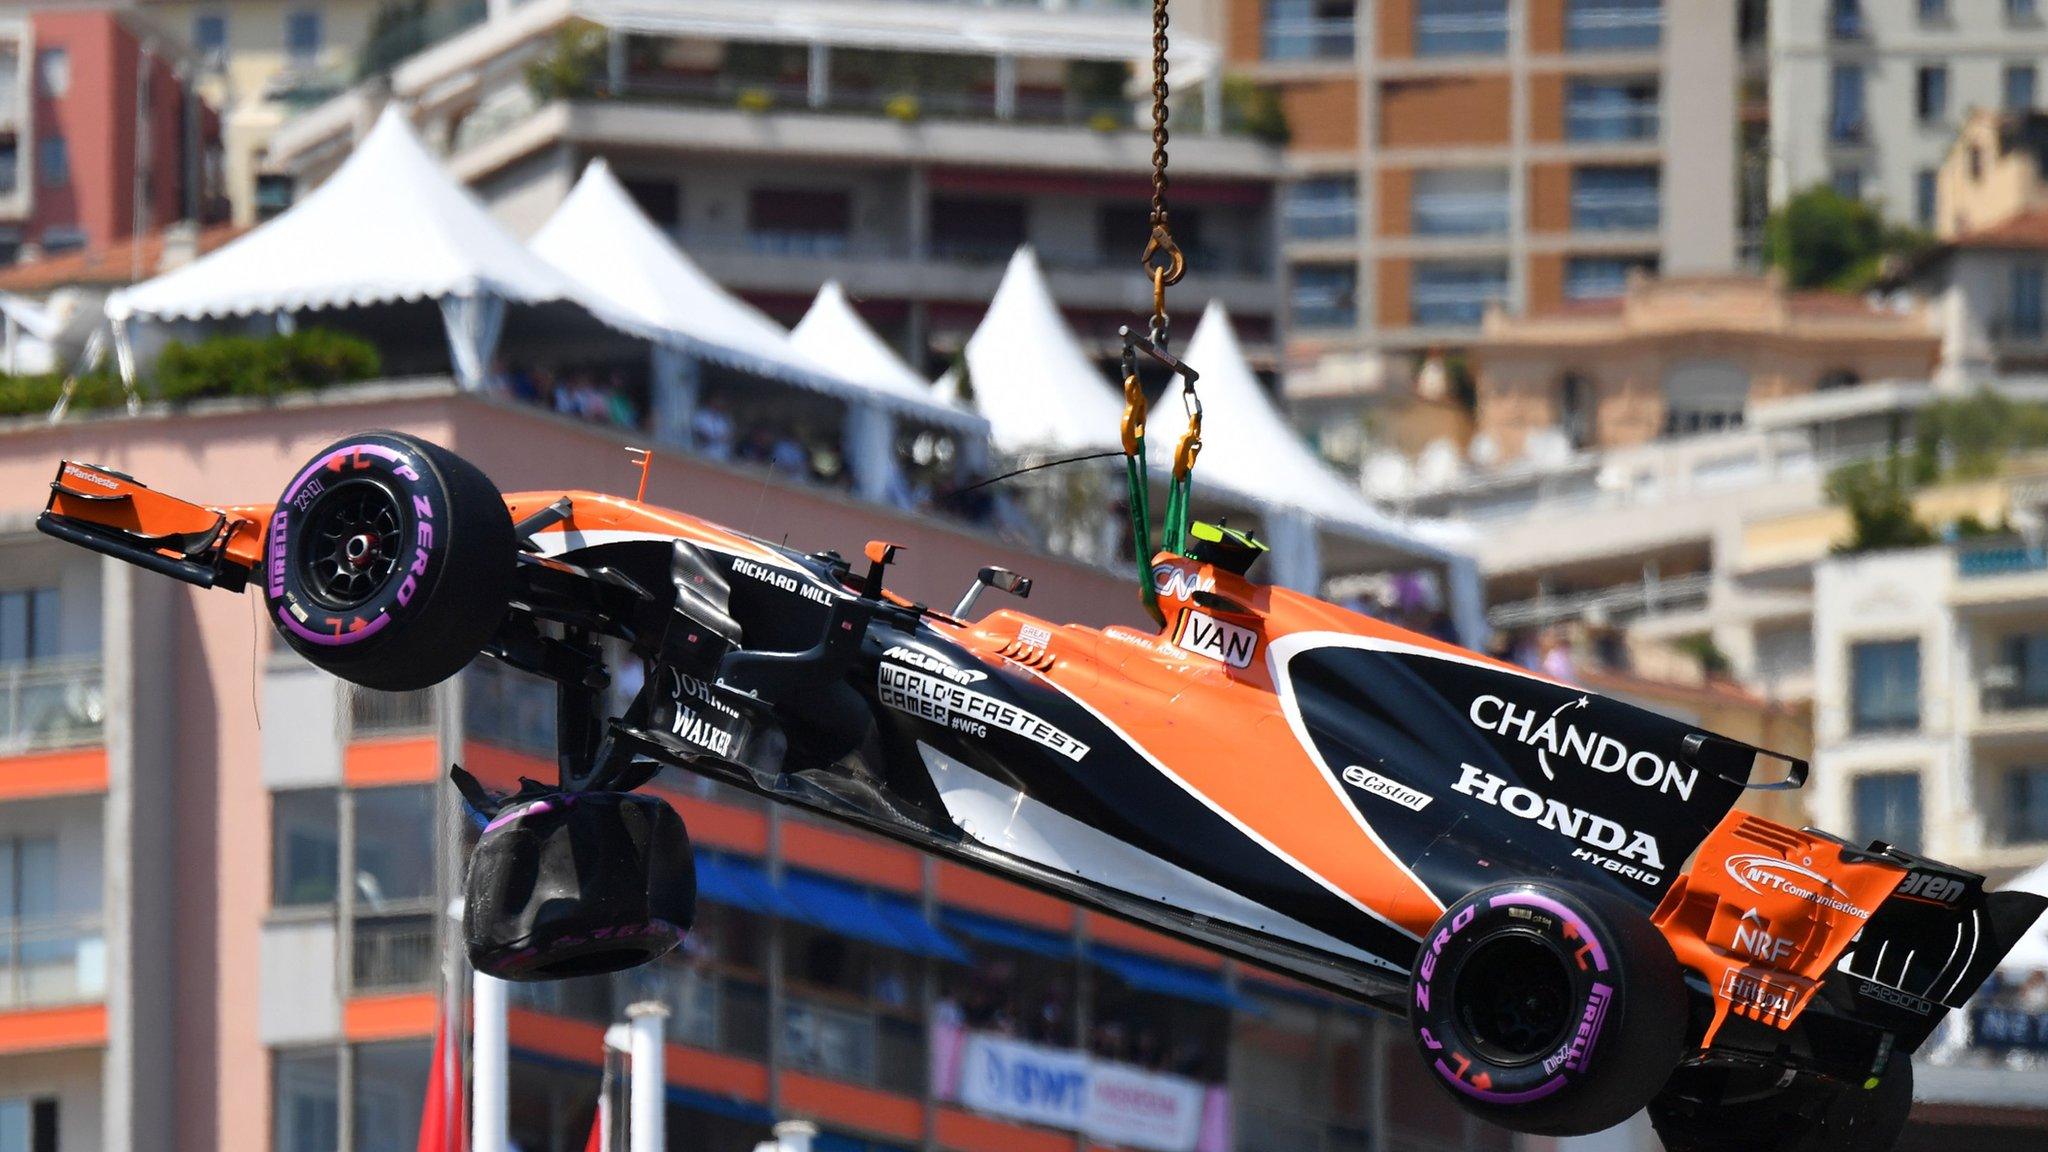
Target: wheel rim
(352, 544)
(1515, 998)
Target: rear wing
(1773, 917)
(117, 515)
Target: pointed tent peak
(833, 333)
(1031, 377)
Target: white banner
(1061, 1088)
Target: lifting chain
(1162, 258)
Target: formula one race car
(1554, 888)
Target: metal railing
(50, 704)
(1982, 560)
(1309, 39)
(1637, 598)
(829, 1041)
(393, 952)
(1608, 26)
(1459, 213)
(1592, 121)
(47, 960)
(373, 713)
(408, 35)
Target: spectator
(1557, 657)
(711, 431)
(788, 457)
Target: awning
(1007, 934)
(864, 914)
(1165, 978)
(1030, 377)
(739, 883)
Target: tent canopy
(1029, 376)
(601, 241)
(1251, 452)
(389, 225)
(832, 333)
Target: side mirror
(1001, 579)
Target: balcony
(1983, 561)
(51, 960)
(393, 954)
(50, 704)
(1618, 603)
(1312, 39)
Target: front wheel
(1548, 1009)
(389, 561)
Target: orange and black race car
(1554, 888)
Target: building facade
(1867, 96)
(904, 150)
(1449, 154)
(101, 133)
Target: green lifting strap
(1138, 491)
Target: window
(210, 36)
(1845, 114)
(28, 877)
(307, 1108)
(978, 229)
(2025, 312)
(2026, 805)
(305, 845)
(1845, 19)
(2023, 682)
(53, 72)
(1925, 181)
(53, 162)
(1611, 109)
(1847, 181)
(2017, 92)
(1930, 93)
(28, 1124)
(1455, 292)
(62, 238)
(1602, 277)
(1459, 202)
(1934, 11)
(1704, 396)
(388, 1096)
(2022, 11)
(10, 168)
(1612, 25)
(1308, 29)
(798, 221)
(1836, 379)
(1461, 27)
(1575, 409)
(1884, 686)
(1886, 806)
(1620, 199)
(1322, 208)
(302, 37)
(29, 627)
(1324, 296)
(394, 832)
(662, 200)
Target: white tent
(1029, 376)
(832, 333)
(2031, 953)
(601, 240)
(388, 226)
(1250, 452)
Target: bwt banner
(1062, 1088)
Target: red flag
(444, 1123)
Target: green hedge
(262, 366)
(258, 366)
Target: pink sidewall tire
(389, 561)
(1547, 1008)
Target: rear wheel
(390, 561)
(1548, 1009)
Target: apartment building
(261, 62)
(1446, 155)
(1867, 96)
(75, 171)
(905, 150)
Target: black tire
(390, 561)
(1548, 1009)
(578, 884)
